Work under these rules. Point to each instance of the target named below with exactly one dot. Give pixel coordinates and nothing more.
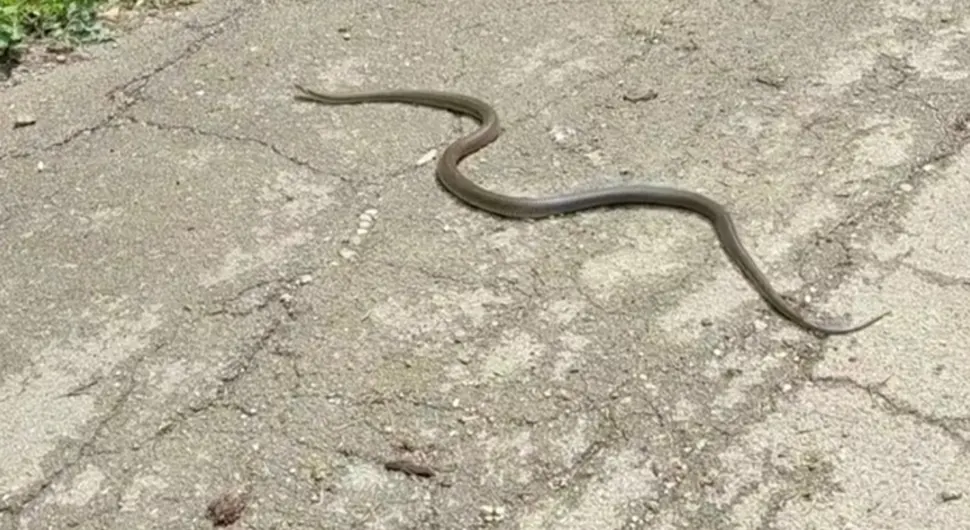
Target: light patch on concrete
(937, 234)
(572, 354)
(887, 470)
(172, 375)
(684, 409)
(516, 353)
(626, 477)
(201, 158)
(572, 444)
(752, 506)
(85, 487)
(887, 146)
(363, 478)
(717, 299)
(570, 70)
(431, 314)
(919, 353)
(903, 9)
(846, 68)
(750, 370)
(238, 261)
(525, 65)
(648, 261)
(38, 411)
(924, 342)
(301, 198)
(564, 311)
(143, 488)
(933, 59)
(513, 245)
(341, 74)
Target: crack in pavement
(896, 407)
(243, 139)
(18, 502)
(126, 95)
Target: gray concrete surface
(210, 289)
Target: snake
(508, 206)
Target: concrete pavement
(222, 305)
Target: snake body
(474, 195)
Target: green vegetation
(71, 21)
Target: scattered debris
(226, 509)
(962, 123)
(409, 468)
(950, 496)
(773, 82)
(638, 97)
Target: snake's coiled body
(537, 207)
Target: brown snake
(533, 208)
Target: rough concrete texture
(210, 288)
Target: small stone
(950, 496)
(60, 48)
(561, 134)
(638, 97)
(906, 187)
(24, 120)
(40, 166)
(111, 15)
(304, 279)
(428, 157)
(371, 212)
(226, 509)
(348, 254)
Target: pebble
(24, 120)
(428, 157)
(492, 514)
(111, 14)
(561, 134)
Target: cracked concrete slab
(222, 300)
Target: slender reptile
(538, 207)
